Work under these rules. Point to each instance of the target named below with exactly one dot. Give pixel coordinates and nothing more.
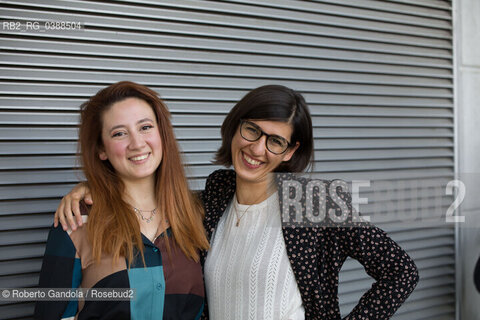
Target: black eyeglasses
(251, 132)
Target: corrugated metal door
(377, 75)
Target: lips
(251, 163)
(139, 157)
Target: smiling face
(252, 160)
(131, 139)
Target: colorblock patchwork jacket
(169, 286)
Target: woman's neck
(141, 194)
(253, 192)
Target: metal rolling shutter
(377, 75)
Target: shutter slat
(372, 62)
(22, 251)
(24, 266)
(410, 86)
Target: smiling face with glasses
(259, 147)
(274, 143)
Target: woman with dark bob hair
(259, 268)
(276, 103)
(144, 229)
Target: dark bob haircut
(272, 103)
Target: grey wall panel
(377, 75)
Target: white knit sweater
(247, 272)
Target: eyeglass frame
(263, 133)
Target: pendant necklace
(149, 219)
(240, 216)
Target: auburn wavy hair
(112, 225)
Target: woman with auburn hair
(144, 230)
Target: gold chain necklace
(270, 188)
(235, 206)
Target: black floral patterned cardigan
(318, 253)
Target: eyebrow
(271, 135)
(138, 122)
